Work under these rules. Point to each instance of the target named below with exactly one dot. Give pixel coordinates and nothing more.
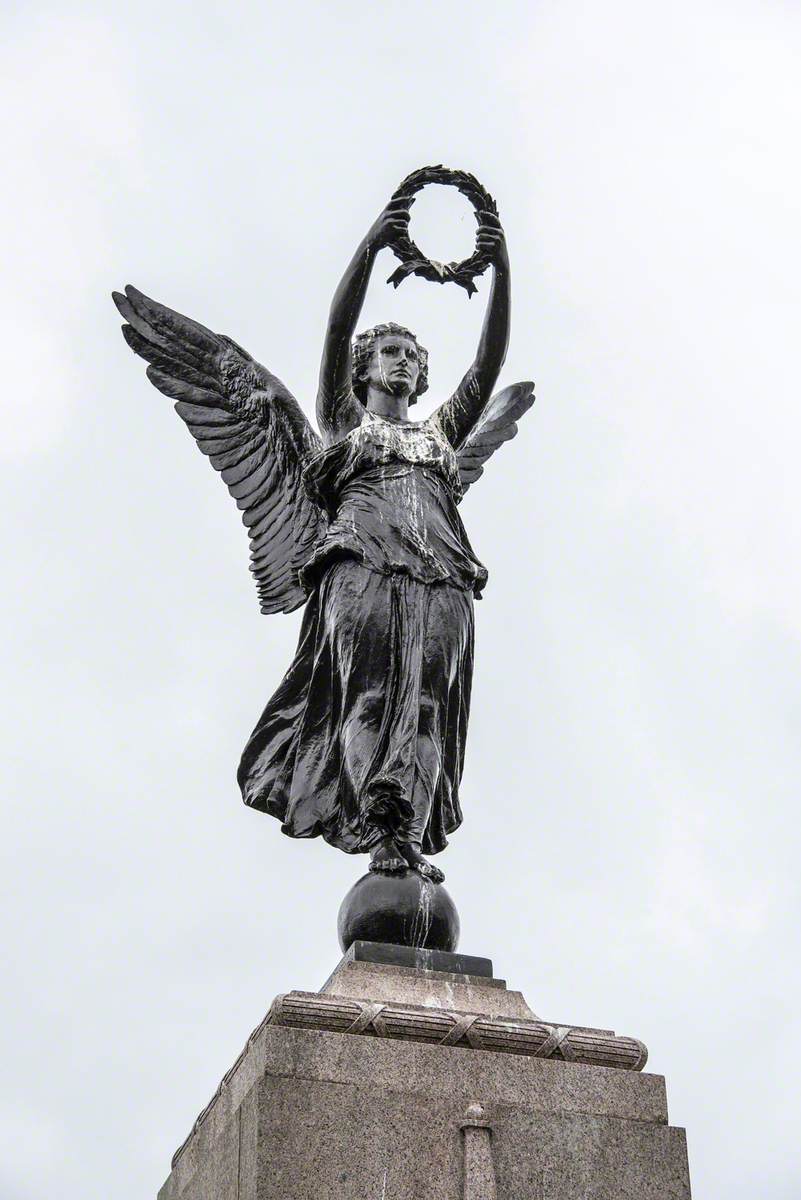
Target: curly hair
(362, 349)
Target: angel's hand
(491, 238)
(391, 225)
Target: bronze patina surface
(363, 742)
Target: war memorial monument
(414, 1073)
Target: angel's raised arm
(459, 415)
(338, 410)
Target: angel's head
(391, 359)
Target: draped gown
(366, 733)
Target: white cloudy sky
(630, 851)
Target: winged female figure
(363, 742)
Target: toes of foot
(430, 872)
(389, 866)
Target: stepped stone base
(378, 1112)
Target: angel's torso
(391, 490)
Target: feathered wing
(497, 424)
(250, 427)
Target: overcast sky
(629, 856)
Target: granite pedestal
(381, 1087)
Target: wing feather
(244, 491)
(216, 444)
(259, 517)
(177, 389)
(160, 359)
(244, 468)
(496, 425)
(248, 425)
(271, 539)
(233, 455)
(203, 417)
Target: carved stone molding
(534, 1039)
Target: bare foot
(416, 861)
(387, 858)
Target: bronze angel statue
(363, 741)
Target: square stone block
(313, 1115)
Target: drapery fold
(368, 727)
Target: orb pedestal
(404, 909)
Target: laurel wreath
(413, 261)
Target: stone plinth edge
(313, 1012)
(475, 1031)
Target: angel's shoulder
(339, 412)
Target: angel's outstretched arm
(458, 415)
(338, 410)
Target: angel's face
(394, 365)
